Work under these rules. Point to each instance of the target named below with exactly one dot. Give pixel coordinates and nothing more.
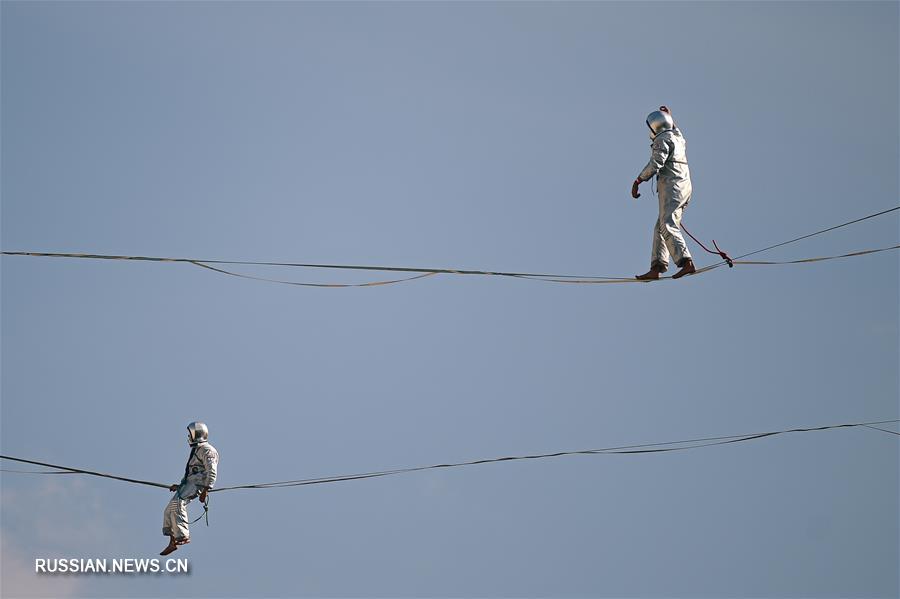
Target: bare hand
(634, 189)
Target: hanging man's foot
(687, 268)
(173, 545)
(169, 548)
(652, 274)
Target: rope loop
(723, 255)
(205, 513)
(718, 251)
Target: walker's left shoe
(652, 274)
(687, 268)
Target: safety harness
(187, 471)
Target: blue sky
(499, 136)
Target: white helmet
(197, 433)
(659, 121)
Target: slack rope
(369, 284)
(646, 448)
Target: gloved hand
(634, 189)
(203, 496)
(173, 488)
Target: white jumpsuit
(199, 474)
(668, 160)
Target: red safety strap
(721, 254)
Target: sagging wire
(645, 448)
(425, 272)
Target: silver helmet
(659, 121)
(197, 433)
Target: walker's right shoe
(687, 268)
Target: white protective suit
(199, 474)
(668, 160)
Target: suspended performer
(199, 478)
(668, 161)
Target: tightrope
(419, 273)
(646, 448)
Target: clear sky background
(468, 135)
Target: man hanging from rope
(199, 478)
(668, 161)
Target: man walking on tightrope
(668, 161)
(199, 478)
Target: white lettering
(148, 565)
(44, 565)
(177, 565)
(93, 565)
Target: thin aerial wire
(884, 430)
(802, 237)
(829, 229)
(555, 278)
(819, 259)
(646, 448)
